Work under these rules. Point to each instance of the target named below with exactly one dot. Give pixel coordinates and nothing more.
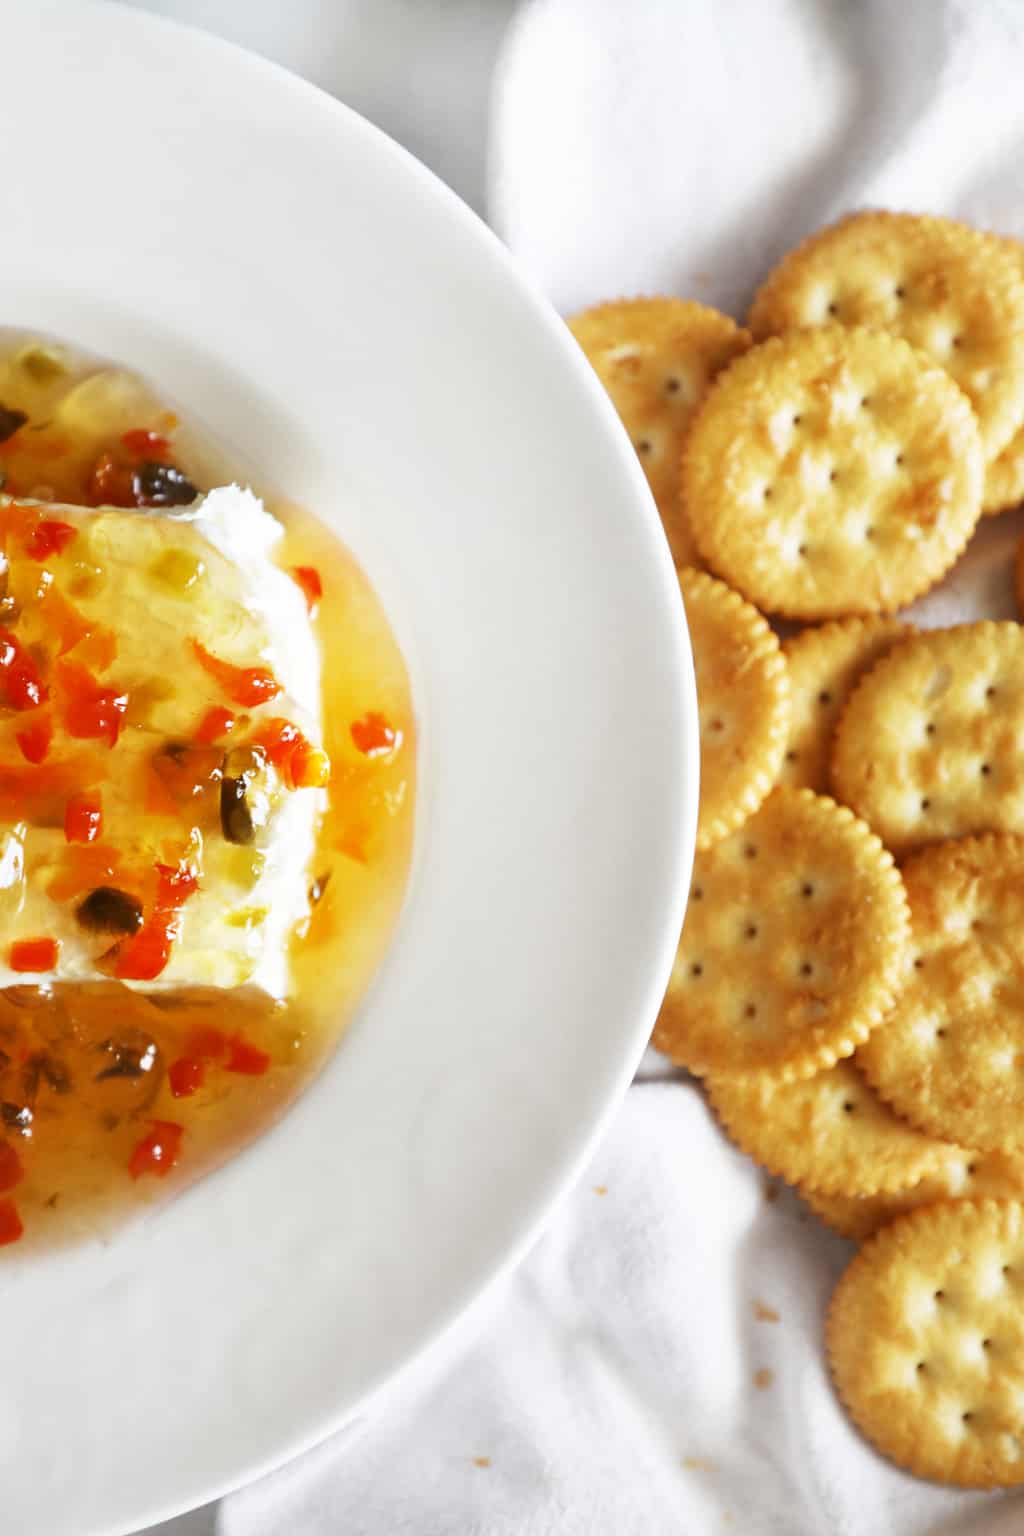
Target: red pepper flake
(49, 538)
(206, 1042)
(278, 738)
(62, 620)
(375, 736)
(34, 954)
(146, 953)
(11, 1226)
(301, 765)
(11, 1171)
(308, 578)
(308, 767)
(246, 1058)
(185, 1076)
(35, 740)
(158, 1151)
(145, 445)
(177, 882)
(19, 676)
(243, 685)
(83, 818)
(94, 644)
(215, 724)
(91, 711)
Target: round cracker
(930, 744)
(830, 1132)
(803, 884)
(832, 472)
(949, 1055)
(966, 1176)
(656, 358)
(825, 664)
(925, 1335)
(954, 292)
(743, 700)
(1004, 477)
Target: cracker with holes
(656, 357)
(964, 1176)
(743, 699)
(831, 473)
(931, 744)
(830, 1132)
(955, 293)
(949, 1057)
(825, 664)
(925, 1338)
(793, 944)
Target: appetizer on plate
(206, 787)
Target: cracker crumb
(600, 1189)
(763, 1378)
(698, 1464)
(481, 1461)
(765, 1314)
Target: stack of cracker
(850, 980)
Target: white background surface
(678, 145)
(419, 69)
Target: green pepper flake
(43, 364)
(247, 917)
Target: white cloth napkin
(631, 1377)
(654, 1367)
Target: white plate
(318, 299)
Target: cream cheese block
(142, 631)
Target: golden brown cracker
(965, 1176)
(954, 292)
(825, 663)
(832, 472)
(1004, 477)
(743, 700)
(925, 1337)
(656, 357)
(792, 947)
(950, 1054)
(930, 745)
(830, 1132)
